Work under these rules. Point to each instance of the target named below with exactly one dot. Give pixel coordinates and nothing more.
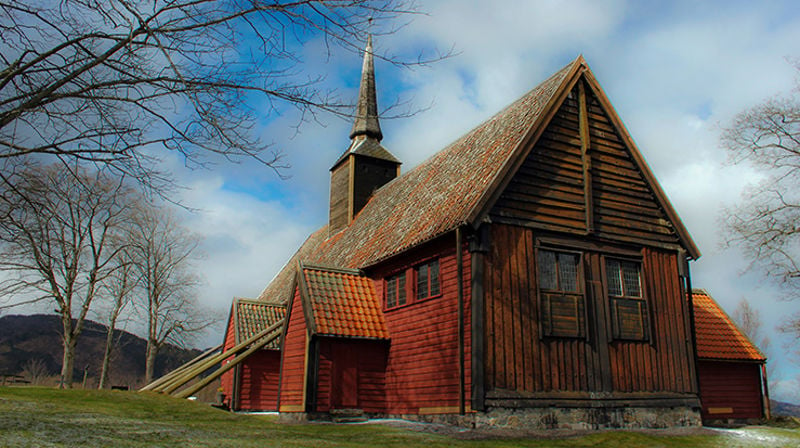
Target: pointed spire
(366, 121)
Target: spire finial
(366, 121)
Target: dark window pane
(401, 289)
(391, 292)
(547, 270)
(434, 272)
(422, 281)
(568, 272)
(613, 276)
(630, 279)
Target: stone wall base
(589, 418)
(544, 418)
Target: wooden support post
(231, 364)
(765, 397)
(479, 245)
(181, 369)
(201, 367)
(586, 159)
(460, 289)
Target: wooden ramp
(178, 378)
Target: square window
(427, 280)
(396, 290)
(629, 314)
(561, 298)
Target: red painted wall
(367, 359)
(259, 381)
(422, 366)
(227, 377)
(734, 385)
(294, 360)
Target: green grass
(43, 417)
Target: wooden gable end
(582, 177)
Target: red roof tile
(717, 336)
(254, 316)
(342, 303)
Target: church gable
(582, 177)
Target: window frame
(396, 276)
(428, 264)
(613, 301)
(545, 297)
(411, 284)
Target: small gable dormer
(366, 165)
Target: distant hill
(783, 408)
(38, 336)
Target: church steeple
(366, 165)
(366, 121)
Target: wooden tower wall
(258, 381)
(521, 362)
(351, 375)
(581, 163)
(730, 390)
(422, 374)
(294, 361)
(227, 380)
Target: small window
(427, 280)
(629, 313)
(396, 290)
(561, 297)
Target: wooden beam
(231, 364)
(182, 369)
(460, 294)
(478, 247)
(201, 367)
(586, 159)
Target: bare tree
(766, 224)
(56, 234)
(118, 288)
(34, 370)
(118, 82)
(162, 252)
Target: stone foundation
(588, 418)
(536, 419)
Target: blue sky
(675, 71)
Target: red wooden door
(344, 378)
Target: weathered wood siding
(730, 390)
(369, 363)
(293, 364)
(549, 191)
(258, 381)
(422, 374)
(227, 378)
(520, 362)
(340, 197)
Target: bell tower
(366, 165)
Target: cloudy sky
(675, 71)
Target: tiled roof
(254, 316)
(717, 336)
(342, 303)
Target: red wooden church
(531, 273)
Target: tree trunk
(107, 355)
(68, 362)
(150, 361)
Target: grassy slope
(44, 417)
